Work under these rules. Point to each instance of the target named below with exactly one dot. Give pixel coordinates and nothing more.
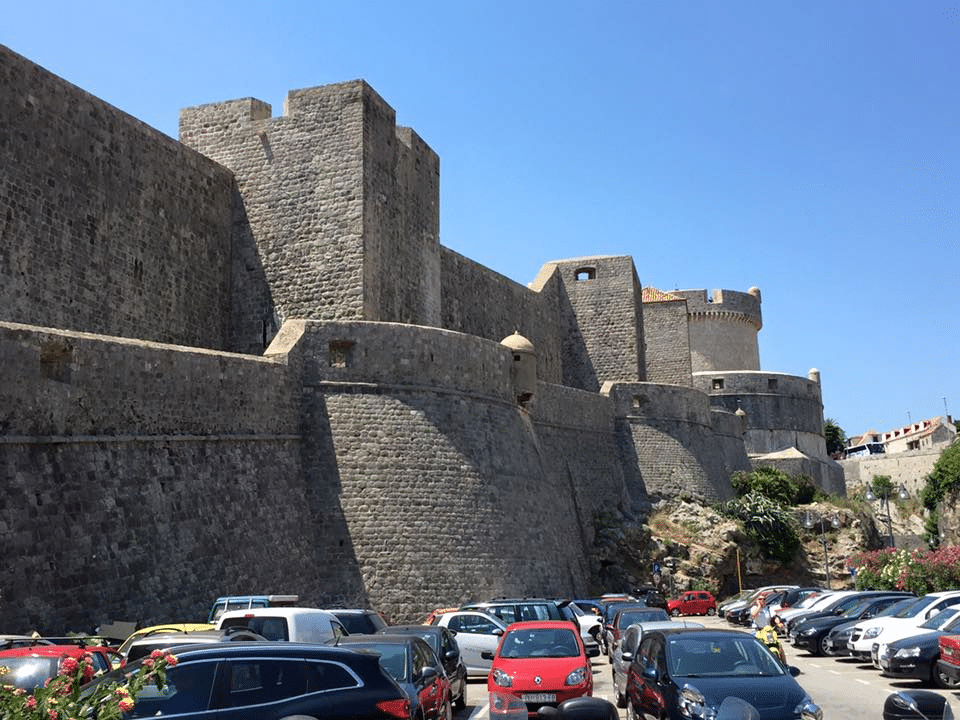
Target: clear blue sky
(809, 148)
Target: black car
(269, 681)
(415, 667)
(916, 657)
(679, 674)
(651, 597)
(812, 633)
(444, 644)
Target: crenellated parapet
(723, 329)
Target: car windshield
(28, 671)
(914, 608)
(393, 658)
(539, 643)
(629, 617)
(720, 657)
(272, 628)
(939, 619)
(854, 610)
(893, 609)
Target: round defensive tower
(723, 329)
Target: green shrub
(768, 523)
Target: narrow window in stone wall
(586, 273)
(718, 383)
(772, 384)
(639, 401)
(341, 353)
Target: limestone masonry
(243, 362)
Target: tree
(944, 478)
(835, 437)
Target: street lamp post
(884, 497)
(808, 523)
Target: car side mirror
(593, 651)
(651, 673)
(451, 654)
(497, 631)
(428, 674)
(486, 655)
(793, 670)
(626, 656)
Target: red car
(537, 663)
(31, 666)
(693, 602)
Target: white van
(295, 624)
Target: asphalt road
(844, 688)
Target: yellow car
(157, 629)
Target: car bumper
(915, 668)
(804, 642)
(949, 669)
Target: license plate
(539, 697)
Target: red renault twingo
(537, 663)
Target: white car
(294, 624)
(623, 655)
(812, 603)
(865, 634)
(940, 621)
(475, 632)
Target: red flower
(68, 666)
(149, 662)
(171, 660)
(30, 703)
(156, 654)
(126, 704)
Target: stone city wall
(908, 468)
(143, 480)
(668, 343)
(106, 225)
(478, 301)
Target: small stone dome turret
(523, 372)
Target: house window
(586, 273)
(638, 401)
(913, 445)
(772, 384)
(341, 353)
(718, 383)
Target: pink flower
(30, 703)
(149, 663)
(171, 660)
(68, 666)
(53, 714)
(88, 671)
(126, 704)
(156, 654)
(122, 692)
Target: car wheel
(446, 712)
(940, 680)
(461, 701)
(675, 612)
(621, 699)
(711, 611)
(821, 647)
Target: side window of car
(188, 689)
(259, 681)
(339, 630)
(507, 613)
(324, 676)
(420, 660)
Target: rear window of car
(28, 672)
(272, 628)
(361, 624)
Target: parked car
(630, 615)
(477, 633)
(443, 642)
(813, 634)
(296, 624)
(693, 602)
(245, 602)
(358, 621)
(674, 670)
(143, 646)
(650, 596)
(587, 624)
(949, 663)
(746, 598)
(785, 600)
(154, 629)
(538, 664)
(415, 667)
(30, 666)
(837, 640)
(270, 681)
(512, 610)
(627, 648)
(868, 632)
(917, 656)
(838, 603)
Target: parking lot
(842, 687)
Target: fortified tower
(723, 329)
(337, 211)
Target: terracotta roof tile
(652, 295)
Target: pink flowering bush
(65, 696)
(919, 571)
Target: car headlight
(872, 633)
(808, 710)
(807, 632)
(907, 652)
(843, 634)
(577, 677)
(501, 678)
